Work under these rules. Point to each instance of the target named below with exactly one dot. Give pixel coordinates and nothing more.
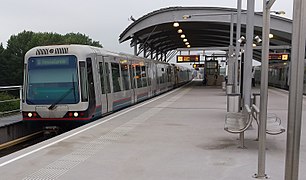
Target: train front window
(52, 80)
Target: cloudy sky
(101, 20)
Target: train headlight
(76, 114)
(30, 114)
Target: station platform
(179, 135)
(8, 120)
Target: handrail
(12, 88)
(5, 88)
(255, 108)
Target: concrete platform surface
(178, 136)
(11, 119)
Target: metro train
(278, 75)
(83, 83)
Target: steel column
(247, 74)
(230, 73)
(237, 49)
(296, 91)
(263, 92)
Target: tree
(12, 58)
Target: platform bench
(238, 122)
(274, 126)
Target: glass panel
(108, 90)
(149, 74)
(132, 76)
(144, 76)
(116, 77)
(51, 78)
(91, 87)
(125, 76)
(101, 77)
(161, 74)
(83, 80)
(138, 76)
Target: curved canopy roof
(207, 27)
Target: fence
(11, 89)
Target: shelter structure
(154, 35)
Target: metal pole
(247, 74)
(230, 73)
(263, 92)
(296, 91)
(20, 97)
(237, 50)
(232, 29)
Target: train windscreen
(52, 80)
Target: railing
(11, 88)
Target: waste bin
(229, 88)
(233, 102)
(223, 85)
(256, 99)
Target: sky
(101, 20)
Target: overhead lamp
(186, 17)
(254, 45)
(183, 36)
(180, 31)
(241, 39)
(186, 43)
(176, 24)
(257, 39)
(188, 46)
(185, 40)
(271, 36)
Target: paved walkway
(179, 136)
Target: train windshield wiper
(64, 95)
(60, 99)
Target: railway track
(30, 139)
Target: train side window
(108, 90)
(144, 76)
(149, 72)
(138, 76)
(83, 80)
(101, 77)
(131, 76)
(161, 75)
(91, 87)
(169, 74)
(116, 77)
(125, 76)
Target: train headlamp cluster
(75, 114)
(71, 114)
(31, 114)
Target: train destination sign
(279, 56)
(187, 58)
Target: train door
(105, 85)
(91, 87)
(132, 80)
(108, 82)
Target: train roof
(81, 51)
